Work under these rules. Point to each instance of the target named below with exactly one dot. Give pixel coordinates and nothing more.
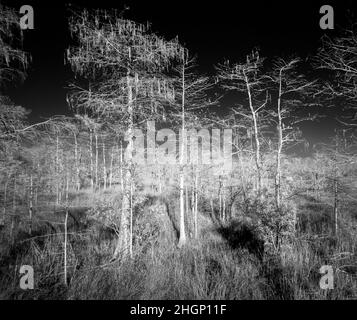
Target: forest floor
(226, 262)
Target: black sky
(213, 30)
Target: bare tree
(13, 60)
(125, 61)
(248, 78)
(187, 110)
(290, 87)
(339, 56)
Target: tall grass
(213, 267)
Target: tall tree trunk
(78, 184)
(65, 236)
(4, 201)
(96, 159)
(193, 202)
(196, 204)
(111, 167)
(13, 217)
(240, 159)
(57, 172)
(38, 183)
(220, 204)
(30, 205)
(224, 202)
(131, 221)
(123, 245)
(280, 147)
(220, 198)
(14, 195)
(256, 137)
(335, 187)
(187, 200)
(121, 168)
(104, 169)
(182, 239)
(91, 158)
(335, 206)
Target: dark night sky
(212, 30)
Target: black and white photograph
(178, 151)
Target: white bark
(111, 167)
(182, 238)
(121, 168)
(104, 168)
(280, 147)
(57, 172)
(256, 136)
(196, 204)
(124, 239)
(96, 158)
(65, 237)
(91, 158)
(30, 205)
(76, 161)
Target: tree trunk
(111, 167)
(131, 221)
(104, 169)
(4, 202)
(220, 204)
(187, 200)
(224, 202)
(243, 181)
(78, 184)
(65, 237)
(196, 204)
(38, 183)
(182, 239)
(91, 158)
(335, 186)
(12, 227)
(123, 245)
(193, 203)
(96, 159)
(121, 168)
(256, 137)
(280, 147)
(14, 196)
(30, 205)
(335, 207)
(57, 172)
